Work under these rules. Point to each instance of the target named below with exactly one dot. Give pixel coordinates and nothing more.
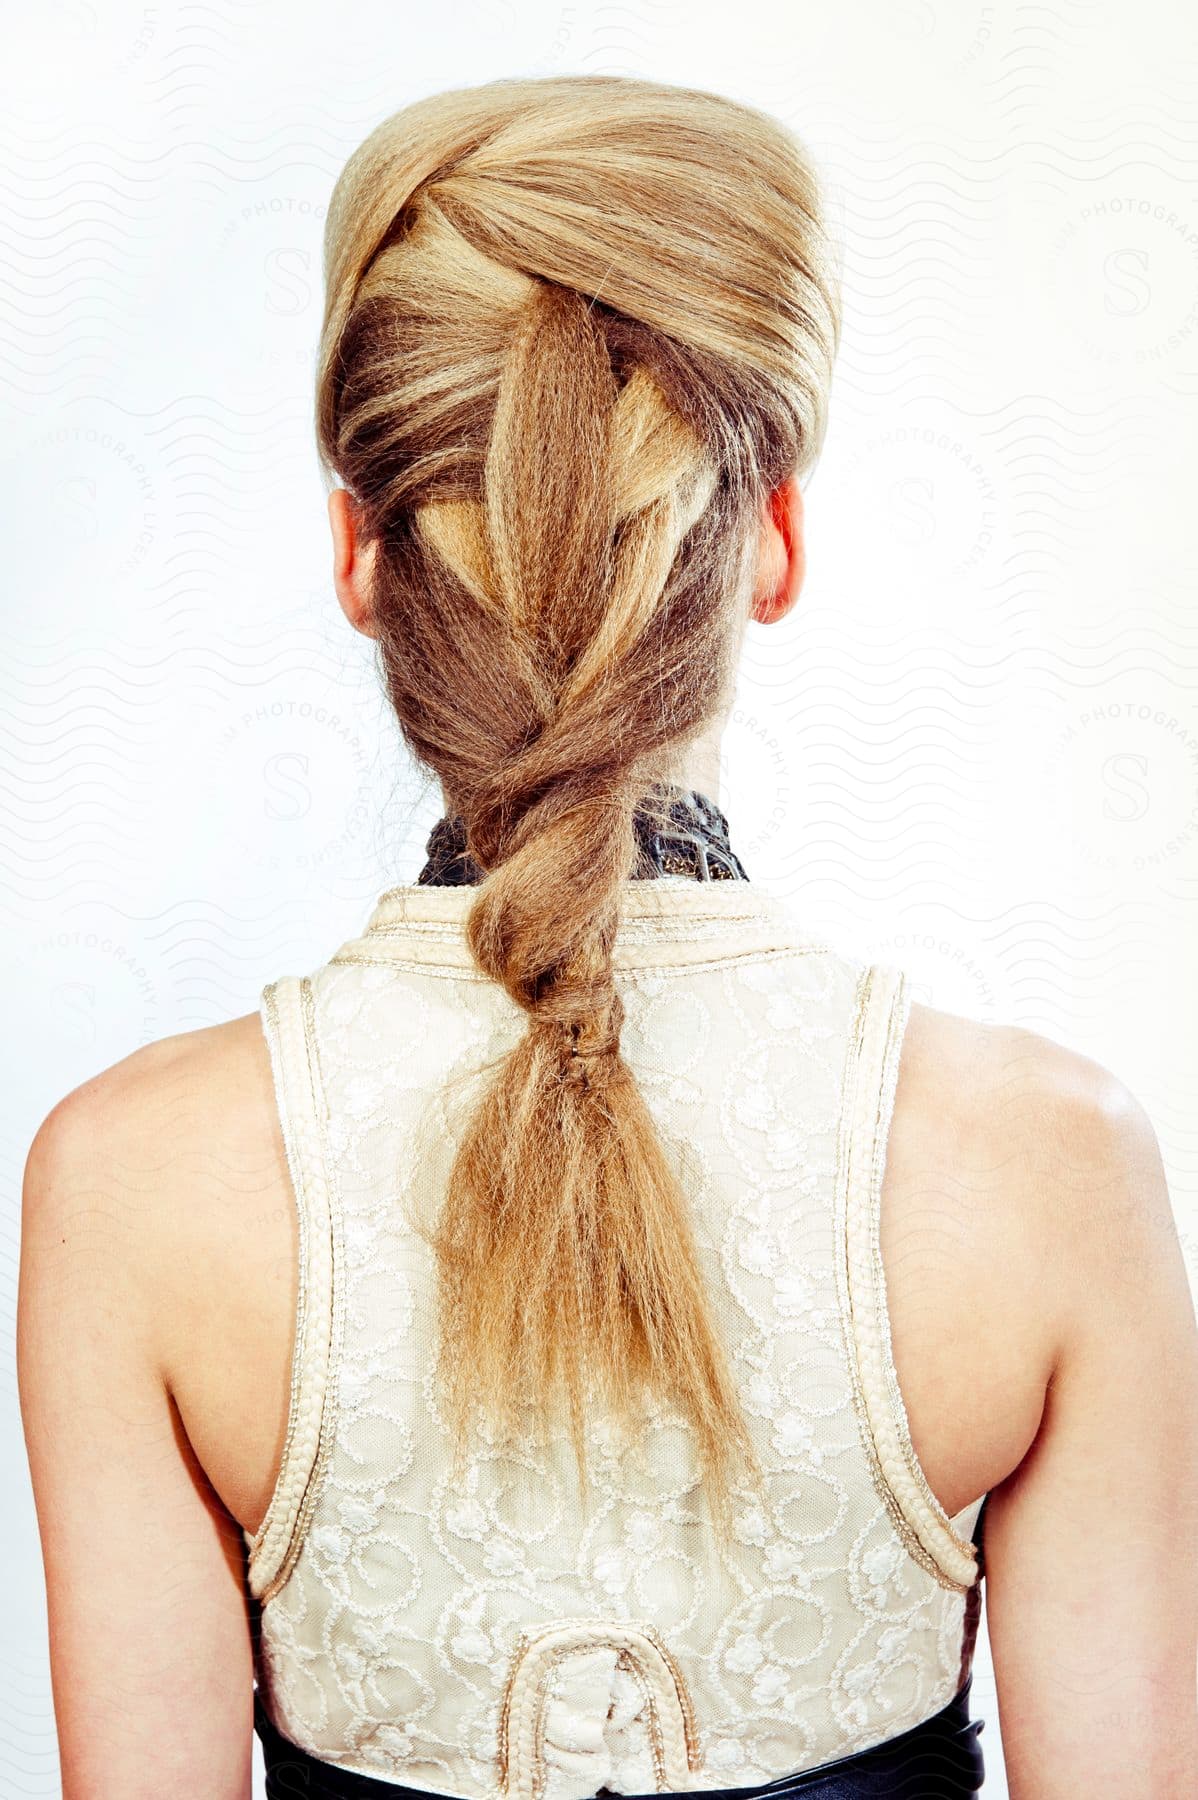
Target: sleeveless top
(498, 1634)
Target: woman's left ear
(351, 564)
(783, 559)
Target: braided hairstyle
(577, 330)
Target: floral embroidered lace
(498, 1634)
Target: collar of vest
(668, 921)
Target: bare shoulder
(1046, 1131)
(1019, 1176)
(155, 1156)
(1061, 1327)
(179, 1085)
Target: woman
(562, 1345)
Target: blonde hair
(577, 329)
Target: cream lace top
(498, 1635)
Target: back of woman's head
(577, 330)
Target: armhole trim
(882, 1009)
(286, 1011)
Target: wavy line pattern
(973, 748)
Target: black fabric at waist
(938, 1760)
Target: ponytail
(576, 330)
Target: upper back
(509, 1622)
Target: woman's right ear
(352, 565)
(783, 554)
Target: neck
(696, 767)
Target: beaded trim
(286, 1011)
(881, 1010)
(695, 845)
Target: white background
(973, 749)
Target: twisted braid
(575, 331)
